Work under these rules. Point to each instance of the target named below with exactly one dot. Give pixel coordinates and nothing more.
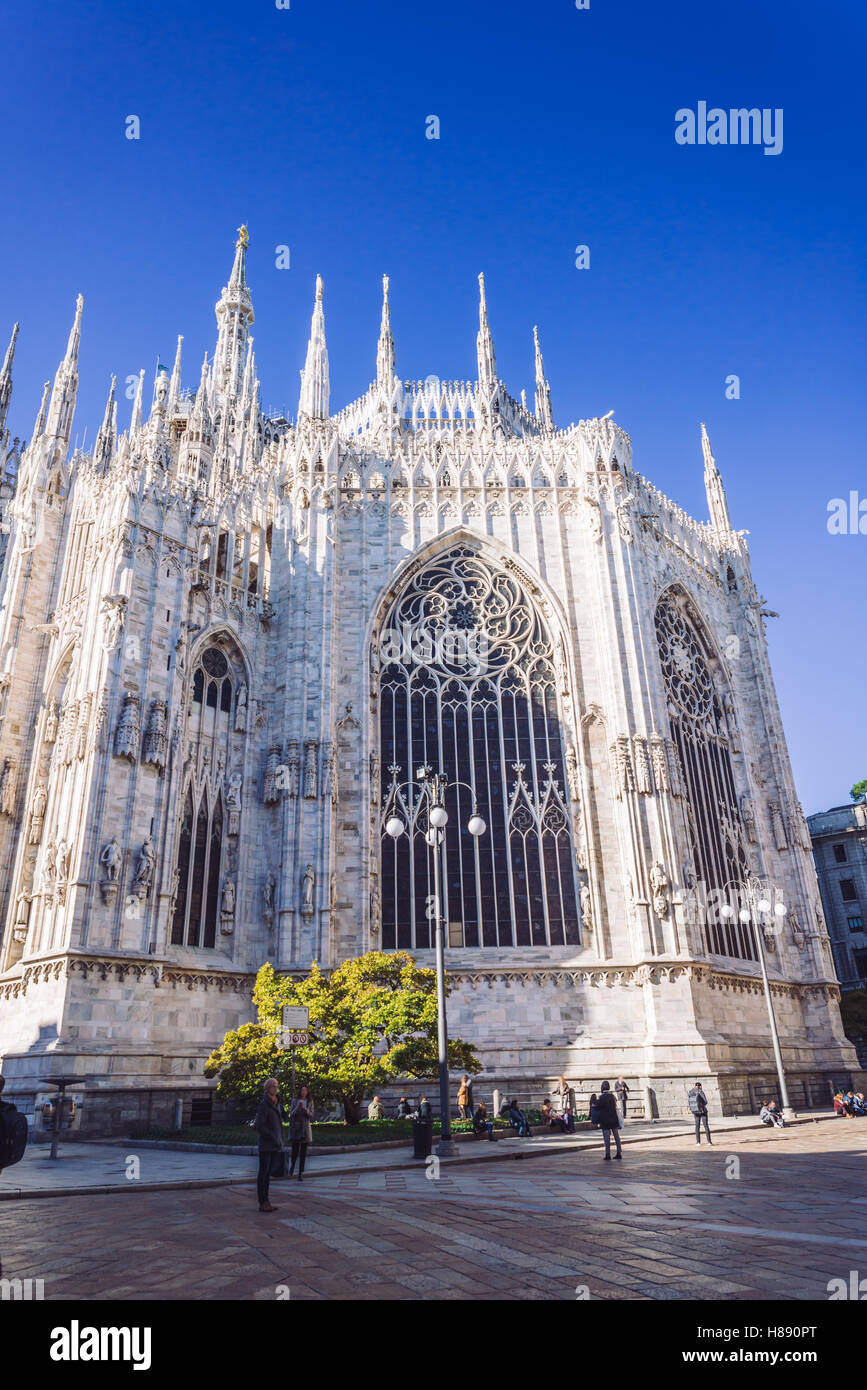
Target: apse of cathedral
(229, 643)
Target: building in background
(225, 638)
(839, 839)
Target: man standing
(698, 1105)
(622, 1090)
(269, 1126)
(603, 1112)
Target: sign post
(294, 1032)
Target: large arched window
(468, 685)
(216, 720)
(698, 727)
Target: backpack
(13, 1134)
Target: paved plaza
(763, 1214)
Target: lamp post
(427, 794)
(757, 908)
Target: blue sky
(557, 129)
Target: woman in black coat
(603, 1112)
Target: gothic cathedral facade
(227, 641)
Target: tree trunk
(351, 1110)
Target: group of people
(270, 1119)
(850, 1104)
(770, 1114)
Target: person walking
(698, 1105)
(300, 1130)
(603, 1112)
(375, 1110)
(464, 1097)
(622, 1090)
(269, 1127)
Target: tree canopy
(373, 1020)
(859, 791)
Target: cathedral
(230, 641)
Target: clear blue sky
(557, 128)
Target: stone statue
(233, 802)
(113, 615)
(270, 886)
(659, 885)
(7, 789)
(374, 779)
(586, 907)
(145, 868)
(310, 779)
(748, 816)
(22, 913)
(111, 860)
(48, 866)
(307, 884)
(37, 812)
(227, 907)
(51, 722)
(63, 850)
(241, 709)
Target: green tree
(859, 791)
(373, 1020)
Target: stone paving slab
(87, 1168)
(489, 1230)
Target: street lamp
(756, 908)
(431, 793)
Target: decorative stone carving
(144, 874)
(83, 726)
(586, 908)
(292, 767)
(594, 518)
(61, 864)
(374, 779)
(311, 748)
(241, 710)
(778, 825)
(308, 882)
(748, 816)
(624, 522)
(624, 777)
(659, 763)
(110, 859)
(114, 612)
(127, 733)
(268, 899)
(51, 722)
(7, 788)
(329, 773)
(37, 812)
(154, 751)
(233, 803)
(101, 722)
(22, 914)
(271, 791)
(227, 907)
(643, 780)
(572, 775)
(659, 886)
(675, 772)
(732, 722)
(68, 728)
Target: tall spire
(106, 438)
(713, 486)
(62, 406)
(314, 378)
(175, 383)
(485, 345)
(6, 380)
(234, 311)
(385, 347)
(135, 422)
(544, 413)
(43, 411)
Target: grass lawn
(368, 1132)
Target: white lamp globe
(726, 910)
(744, 914)
(764, 905)
(780, 909)
(439, 817)
(431, 836)
(394, 827)
(476, 826)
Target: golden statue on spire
(243, 237)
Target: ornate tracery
(468, 683)
(699, 729)
(210, 797)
